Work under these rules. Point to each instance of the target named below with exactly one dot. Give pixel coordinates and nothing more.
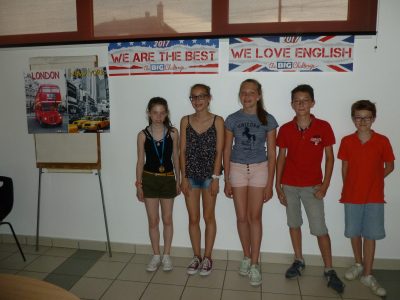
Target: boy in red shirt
(367, 158)
(302, 143)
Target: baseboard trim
(223, 254)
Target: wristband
(213, 176)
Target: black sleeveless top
(152, 163)
(200, 152)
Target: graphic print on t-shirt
(249, 139)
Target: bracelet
(138, 183)
(213, 176)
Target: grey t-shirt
(249, 145)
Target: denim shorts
(200, 183)
(366, 220)
(314, 209)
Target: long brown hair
(160, 101)
(261, 111)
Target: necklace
(161, 169)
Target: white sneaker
(154, 263)
(255, 275)
(245, 266)
(354, 271)
(167, 263)
(371, 282)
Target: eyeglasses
(359, 119)
(198, 97)
(299, 102)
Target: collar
(312, 118)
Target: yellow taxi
(97, 123)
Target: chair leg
(16, 240)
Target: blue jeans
(200, 183)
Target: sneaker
(167, 263)
(371, 282)
(245, 266)
(154, 263)
(255, 275)
(194, 265)
(206, 266)
(333, 281)
(295, 269)
(354, 271)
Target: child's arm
(329, 161)
(139, 165)
(185, 186)
(345, 166)
(280, 165)
(271, 154)
(175, 159)
(226, 160)
(389, 167)
(219, 125)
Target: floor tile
(273, 268)
(64, 281)
(15, 261)
(141, 258)
(233, 265)
(46, 264)
(105, 269)
(233, 281)
(219, 264)
(197, 293)
(90, 288)
(356, 290)
(162, 291)
(318, 298)
(387, 275)
(36, 275)
(64, 252)
(177, 276)
(122, 290)
(214, 280)
(392, 289)
(136, 272)
(5, 254)
(88, 254)
(269, 296)
(277, 283)
(74, 266)
(240, 295)
(182, 262)
(316, 286)
(117, 256)
(8, 247)
(31, 249)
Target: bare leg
(243, 227)
(324, 243)
(254, 214)
(152, 209)
(209, 220)
(168, 227)
(356, 244)
(369, 254)
(193, 208)
(295, 237)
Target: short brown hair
(363, 105)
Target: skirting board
(223, 254)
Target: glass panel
(130, 17)
(259, 11)
(39, 16)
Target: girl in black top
(157, 177)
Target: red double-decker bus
(47, 102)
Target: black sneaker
(333, 281)
(295, 269)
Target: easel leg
(38, 210)
(105, 216)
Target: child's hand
(139, 194)
(178, 188)
(320, 191)
(214, 187)
(185, 187)
(281, 195)
(228, 189)
(268, 193)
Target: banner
(291, 53)
(197, 56)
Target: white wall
(71, 206)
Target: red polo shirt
(364, 181)
(305, 149)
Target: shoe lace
(206, 263)
(333, 279)
(253, 272)
(374, 284)
(195, 262)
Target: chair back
(6, 196)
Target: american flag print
(291, 54)
(194, 56)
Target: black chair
(6, 205)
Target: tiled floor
(93, 275)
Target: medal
(161, 168)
